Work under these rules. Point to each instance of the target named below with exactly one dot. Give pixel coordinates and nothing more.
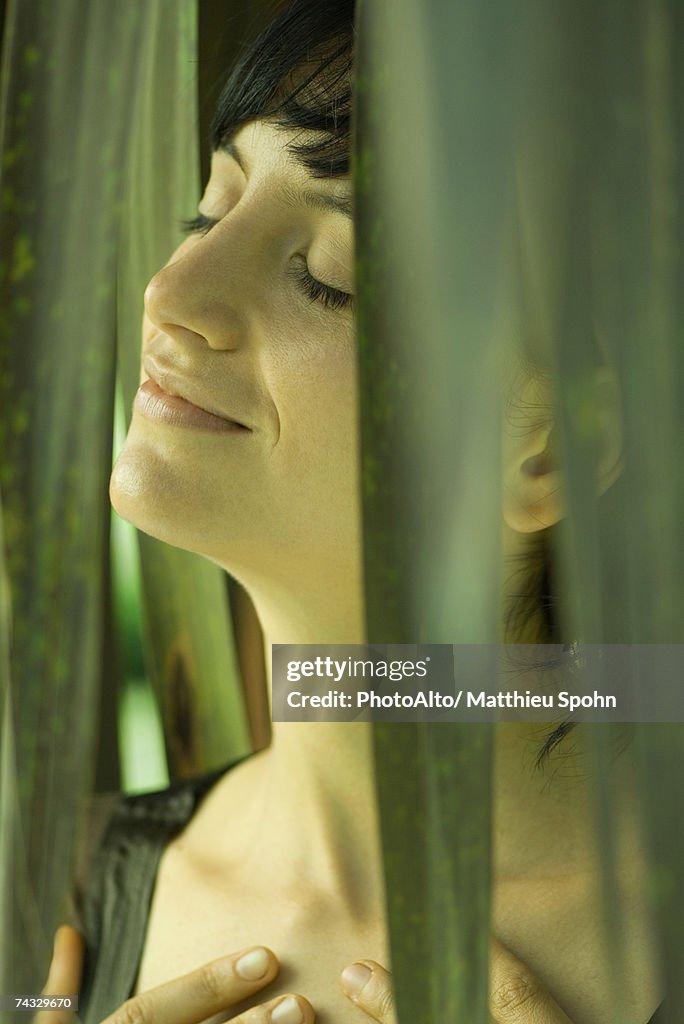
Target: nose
(198, 292)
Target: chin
(164, 502)
(142, 493)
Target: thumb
(369, 985)
(64, 975)
(516, 996)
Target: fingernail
(354, 978)
(253, 965)
(287, 1012)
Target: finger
(66, 966)
(370, 986)
(64, 975)
(516, 996)
(289, 1009)
(201, 993)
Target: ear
(533, 486)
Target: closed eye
(198, 225)
(316, 291)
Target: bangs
(298, 75)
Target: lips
(174, 385)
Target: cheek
(313, 377)
(315, 394)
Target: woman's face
(229, 324)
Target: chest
(195, 918)
(555, 927)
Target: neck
(313, 787)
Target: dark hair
(533, 611)
(533, 614)
(298, 74)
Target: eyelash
(315, 290)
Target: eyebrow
(294, 197)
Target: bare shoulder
(225, 814)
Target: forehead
(262, 144)
(264, 141)
(262, 150)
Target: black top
(113, 906)
(114, 903)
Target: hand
(192, 998)
(515, 995)
(64, 976)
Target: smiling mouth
(180, 394)
(157, 404)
